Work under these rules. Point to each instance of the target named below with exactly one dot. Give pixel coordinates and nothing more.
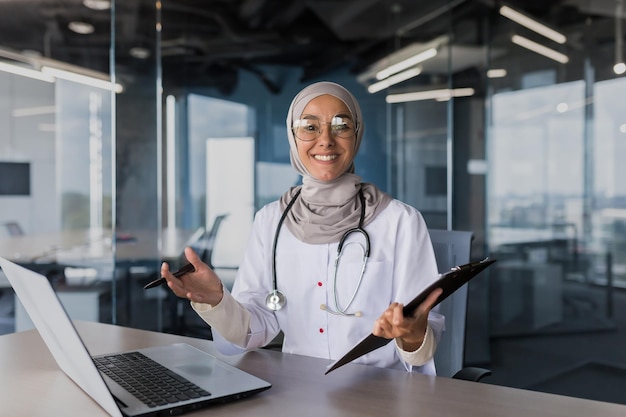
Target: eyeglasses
(311, 128)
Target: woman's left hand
(411, 330)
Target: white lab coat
(400, 265)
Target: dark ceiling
(208, 42)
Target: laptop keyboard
(150, 382)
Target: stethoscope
(275, 300)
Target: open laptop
(215, 380)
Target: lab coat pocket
(369, 294)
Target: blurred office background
(129, 127)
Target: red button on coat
(321, 330)
(319, 283)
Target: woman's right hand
(200, 286)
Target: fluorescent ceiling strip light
(540, 49)
(532, 24)
(441, 94)
(394, 79)
(496, 73)
(25, 72)
(407, 63)
(82, 79)
(33, 111)
(97, 4)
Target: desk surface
(32, 385)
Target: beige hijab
(324, 211)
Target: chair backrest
(206, 243)
(14, 229)
(452, 248)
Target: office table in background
(71, 247)
(92, 249)
(31, 384)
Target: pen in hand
(182, 271)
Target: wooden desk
(32, 385)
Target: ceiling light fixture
(82, 79)
(440, 95)
(82, 28)
(403, 59)
(97, 4)
(532, 24)
(540, 49)
(25, 72)
(33, 111)
(394, 79)
(139, 52)
(496, 73)
(46, 69)
(406, 63)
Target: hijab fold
(325, 210)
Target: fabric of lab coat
(400, 265)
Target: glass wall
(82, 125)
(554, 201)
(58, 124)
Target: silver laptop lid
(64, 343)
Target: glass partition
(58, 114)
(554, 202)
(79, 109)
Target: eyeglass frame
(319, 131)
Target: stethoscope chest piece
(275, 300)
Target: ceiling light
(394, 79)
(532, 24)
(402, 59)
(540, 49)
(406, 63)
(82, 79)
(82, 28)
(33, 111)
(139, 52)
(97, 4)
(25, 72)
(496, 73)
(441, 94)
(562, 107)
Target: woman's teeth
(325, 157)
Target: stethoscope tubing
(276, 299)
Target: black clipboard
(449, 282)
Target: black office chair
(452, 248)
(203, 246)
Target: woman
(289, 279)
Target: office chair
(14, 229)
(452, 248)
(203, 246)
